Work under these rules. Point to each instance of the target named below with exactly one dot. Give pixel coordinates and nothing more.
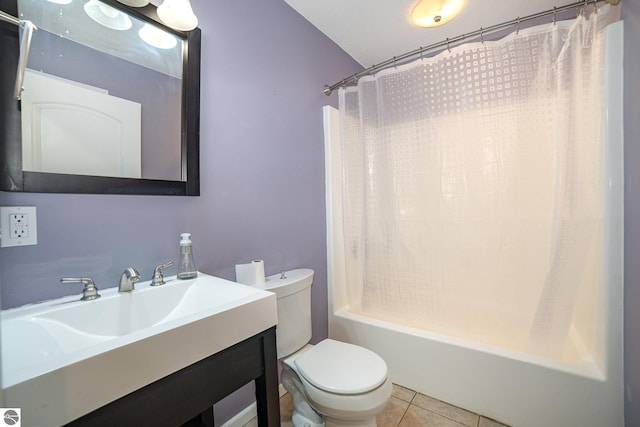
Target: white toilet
(332, 383)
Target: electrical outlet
(18, 225)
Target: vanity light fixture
(432, 13)
(178, 15)
(107, 16)
(156, 37)
(135, 3)
(60, 1)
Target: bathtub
(515, 388)
(584, 388)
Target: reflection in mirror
(154, 72)
(102, 93)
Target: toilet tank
(293, 293)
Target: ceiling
(373, 31)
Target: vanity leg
(204, 419)
(267, 394)
(207, 417)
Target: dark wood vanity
(186, 397)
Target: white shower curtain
(473, 186)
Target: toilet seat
(341, 368)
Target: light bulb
(106, 15)
(178, 15)
(135, 3)
(157, 37)
(431, 13)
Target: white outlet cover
(31, 223)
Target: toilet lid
(342, 368)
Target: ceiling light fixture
(432, 13)
(60, 1)
(108, 16)
(178, 15)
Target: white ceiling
(373, 31)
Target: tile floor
(408, 409)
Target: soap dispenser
(186, 266)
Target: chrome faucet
(89, 292)
(128, 279)
(158, 278)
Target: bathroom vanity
(155, 356)
(190, 393)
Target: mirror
(110, 101)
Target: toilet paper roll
(251, 273)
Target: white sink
(64, 358)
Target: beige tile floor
(408, 409)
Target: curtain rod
(449, 41)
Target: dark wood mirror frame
(13, 178)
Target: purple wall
(631, 16)
(262, 173)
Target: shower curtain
(473, 186)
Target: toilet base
(298, 420)
(303, 414)
(329, 422)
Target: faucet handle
(89, 292)
(158, 278)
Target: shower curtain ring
(517, 25)
(481, 35)
(583, 9)
(394, 63)
(421, 52)
(555, 17)
(448, 47)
